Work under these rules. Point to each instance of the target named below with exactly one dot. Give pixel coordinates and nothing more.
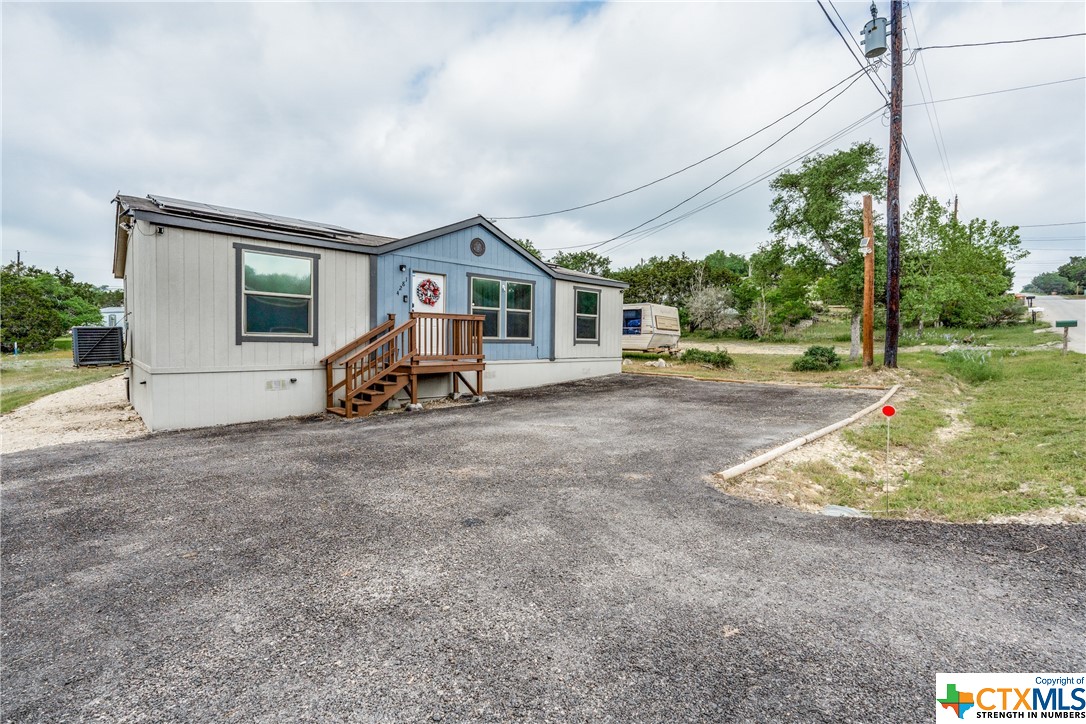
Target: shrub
(817, 359)
(719, 359)
(973, 366)
(747, 331)
(652, 356)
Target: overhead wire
(995, 92)
(931, 110)
(999, 42)
(1060, 223)
(882, 91)
(688, 167)
(734, 170)
(644, 233)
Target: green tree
(1074, 271)
(529, 247)
(588, 262)
(39, 306)
(953, 273)
(735, 263)
(30, 316)
(1050, 283)
(819, 207)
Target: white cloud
(395, 118)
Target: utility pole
(893, 187)
(955, 207)
(869, 284)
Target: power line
(882, 91)
(714, 183)
(1004, 90)
(650, 231)
(930, 111)
(1000, 42)
(1061, 223)
(685, 168)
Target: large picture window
(276, 295)
(507, 308)
(587, 322)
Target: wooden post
(869, 285)
(1066, 337)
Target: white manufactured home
(237, 316)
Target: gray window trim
(502, 310)
(599, 298)
(239, 295)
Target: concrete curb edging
(800, 441)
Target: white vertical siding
(184, 299)
(610, 345)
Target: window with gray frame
(518, 310)
(277, 295)
(587, 323)
(507, 308)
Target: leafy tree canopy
(954, 273)
(1074, 271)
(588, 262)
(39, 306)
(1050, 283)
(529, 247)
(819, 205)
(735, 263)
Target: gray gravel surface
(555, 554)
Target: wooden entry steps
(365, 374)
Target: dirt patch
(957, 426)
(98, 411)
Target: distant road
(1062, 308)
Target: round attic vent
(478, 246)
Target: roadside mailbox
(1035, 311)
(1066, 324)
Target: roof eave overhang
(215, 227)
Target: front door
(428, 296)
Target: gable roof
(167, 211)
(552, 270)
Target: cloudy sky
(397, 118)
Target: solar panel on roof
(225, 213)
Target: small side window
(587, 322)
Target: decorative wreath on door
(428, 292)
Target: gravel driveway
(553, 555)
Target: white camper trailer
(650, 326)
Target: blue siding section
(451, 255)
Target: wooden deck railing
(438, 342)
(449, 337)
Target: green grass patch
(1019, 444)
(961, 451)
(27, 377)
(973, 365)
(63, 343)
